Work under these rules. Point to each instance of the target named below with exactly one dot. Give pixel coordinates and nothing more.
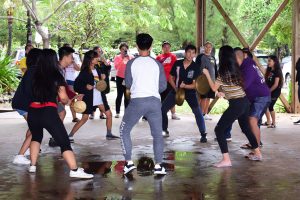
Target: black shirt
(23, 95)
(270, 80)
(105, 69)
(187, 75)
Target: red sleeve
(174, 59)
(158, 58)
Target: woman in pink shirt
(120, 65)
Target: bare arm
(172, 82)
(76, 66)
(63, 95)
(214, 86)
(190, 86)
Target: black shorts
(165, 93)
(210, 95)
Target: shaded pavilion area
(191, 174)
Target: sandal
(246, 146)
(247, 156)
(255, 157)
(75, 120)
(102, 117)
(265, 124)
(272, 126)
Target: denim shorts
(22, 112)
(60, 107)
(69, 82)
(259, 106)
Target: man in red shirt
(167, 59)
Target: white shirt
(145, 72)
(97, 99)
(70, 72)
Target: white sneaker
(175, 117)
(71, 138)
(80, 174)
(21, 160)
(207, 117)
(228, 139)
(27, 152)
(129, 166)
(159, 170)
(32, 169)
(117, 116)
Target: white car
(179, 54)
(287, 69)
(135, 52)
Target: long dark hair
(87, 59)
(33, 57)
(228, 67)
(277, 69)
(46, 76)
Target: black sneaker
(165, 133)
(159, 170)
(297, 122)
(52, 143)
(112, 137)
(71, 138)
(75, 120)
(128, 167)
(203, 138)
(102, 117)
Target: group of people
(49, 84)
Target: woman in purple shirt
(256, 90)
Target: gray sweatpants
(150, 107)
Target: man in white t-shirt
(145, 78)
(70, 75)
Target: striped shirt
(231, 90)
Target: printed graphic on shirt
(190, 74)
(262, 78)
(168, 60)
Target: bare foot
(223, 163)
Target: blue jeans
(259, 106)
(191, 99)
(22, 112)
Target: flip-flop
(272, 126)
(246, 146)
(255, 157)
(265, 124)
(247, 156)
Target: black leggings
(238, 109)
(273, 102)
(47, 117)
(120, 93)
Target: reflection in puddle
(145, 166)
(102, 168)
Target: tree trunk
(46, 43)
(8, 53)
(45, 36)
(28, 26)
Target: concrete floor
(191, 174)
(189, 164)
